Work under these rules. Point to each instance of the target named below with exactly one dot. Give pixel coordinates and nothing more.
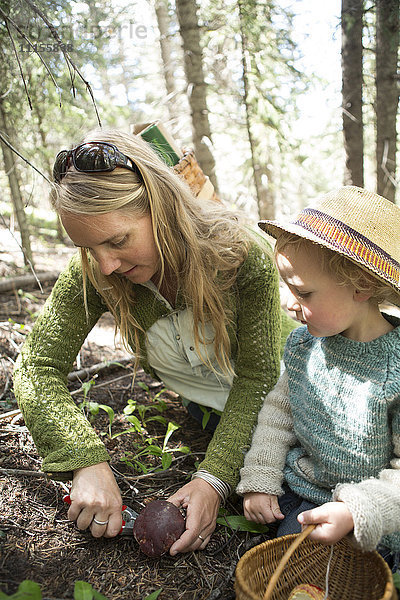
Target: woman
(195, 297)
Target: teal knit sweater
(331, 430)
(63, 436)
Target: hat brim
(274, 229)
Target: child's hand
(333, 521)
(261, 508)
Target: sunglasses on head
(91, 157)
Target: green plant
(239, 523)
(396, 580)
(207, 412)
(148, 447)
(30, 590)
(23, 294)
(154, 595)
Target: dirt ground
(38, 542)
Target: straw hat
(362, 226)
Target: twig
(23, 472)
(80, 390)
(21, 248)
(97, 368)
(202, 571)
(11, 413)
(67, 57)
(7, 143)
(19, 64)
(8, 19)
(225, 544)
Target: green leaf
(154, 450)
(396, 580)
(130, 408)
(143, 386)
(239, 523)
(130, 430)
(93, 408)
(98, 596)
(183, 449)
(109, 411)
(206, 417)
(170, 430)
(166, 460)
(86, 387)
(161, 406)
(154, 595)
(27, 590)
(158, 418)
(30, 590)
(135, 421)
(83, 591)
(141, 466)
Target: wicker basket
(189, 169)
(353, 574)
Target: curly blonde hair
(202, 245)
(345, 271)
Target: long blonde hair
(201, 244)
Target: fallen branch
(97, 368)
(81, 389)
(14, 283)
(11, 413)
(23, 472)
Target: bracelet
(219, 486)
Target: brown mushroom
(157, 527)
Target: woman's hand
(95, 495)
(261, 508)
(201, 502)
(333, 520)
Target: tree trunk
(387, 95)
(352, 80)
(15, 190)
(265, 202)
(166, 56)
(49, 168)
(197, 89)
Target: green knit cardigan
(62, 434)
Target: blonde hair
(200, 244)
(345, 271)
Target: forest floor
(38, 542)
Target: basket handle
(282, 564)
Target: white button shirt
(171, 353)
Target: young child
(326, 449)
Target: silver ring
(201, 538)
(100, 522)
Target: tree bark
(15, 190)
(352, 80)
(265, 201)
(197, 89)
(387, 95)
(49, 170)
(161, 8)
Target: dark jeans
(292, 505)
